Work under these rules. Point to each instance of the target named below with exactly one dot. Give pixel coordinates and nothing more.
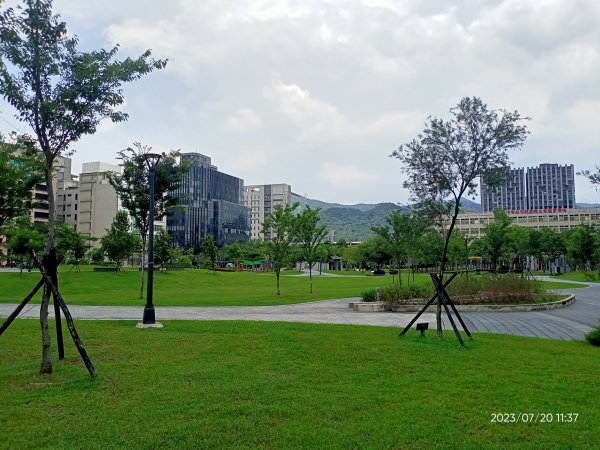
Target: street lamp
(152, 160)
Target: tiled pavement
(571, 322)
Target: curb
(379, 307)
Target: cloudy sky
(317, 94)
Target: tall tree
(61, 93)
(132, 188)
(309, 234)
(22, 167)
(279, 227)
(119, 242)
(445, 161)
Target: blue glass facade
(211, 202)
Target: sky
(318, 94)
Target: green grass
(189, 288)
(202, 288)
(283, 385)
(585, 277)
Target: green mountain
(354, 222)
(351, 224)
(313, 203)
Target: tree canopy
(62, 93)
(444, 162)
(119, 243)
(22, 167)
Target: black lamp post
(152, 160)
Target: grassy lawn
(190, 288)
(202, 288)
(282, 385)
(585, 277)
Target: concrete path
(571, 322)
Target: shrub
(471, 289)
(397, 295)
(379, 272)
(593, 337)
(493, 288)
(393, 272)
(369, 296)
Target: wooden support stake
(68, 317)
(22, 305)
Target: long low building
(558, 219)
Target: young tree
(309, 235)
(374, 250)
(119, 242)
(132, 188)
(393, 233)
(70, 242)
(210, 249)
(553, 245)
(279, 227)
(519, 243)
(163, 245)
(61, 93)
(444, 162)
(22, 167)
(24, 239)
(581, 246)
(495, 242)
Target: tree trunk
(46, 367)
(46, 340)
(277, 271)
(310, 276)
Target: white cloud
(272, 88)
(345, 175)
(243, 120)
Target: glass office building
(210, 202)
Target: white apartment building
(558, 219)
(262, 199)
(97, 201)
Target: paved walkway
(571, 322)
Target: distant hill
(354, 222)
(351, 224)
(325, 205)
(587, 205)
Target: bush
(393, 272)
(369, 296)
(493, 288)
(464, 290)
(593, 337)
(379, 272)
(397, 295)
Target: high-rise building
(66, 187)
(210, 202)
(547, 186)
(97, 201)
(510, 196)
(262, 199)
(550, 186)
